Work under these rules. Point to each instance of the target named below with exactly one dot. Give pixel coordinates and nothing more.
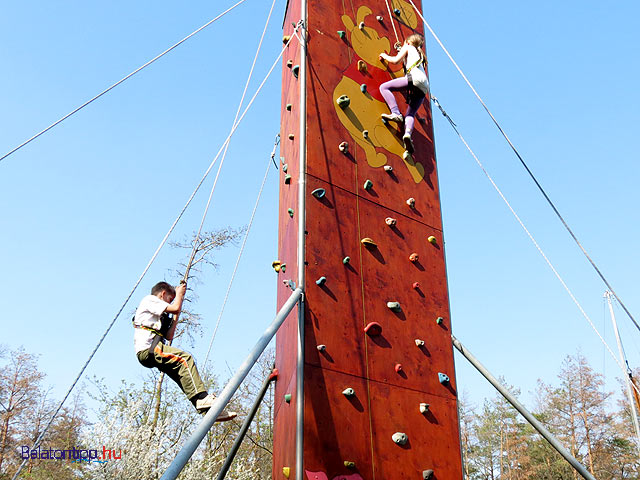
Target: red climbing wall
(391, 373)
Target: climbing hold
(290, 212)
(291, 136)
(368, 185)
(398, 367)
(287, 179)
(290, 283)
(427, 474)
(349, 464)
(439, 320)
(396, 11)
(415, 285)
(295, 70)
(283, 267)
(321, 281)
(343, 101)
(379, 18)
(287, 397)
(361, 26)
(388, 168)
(422, 120)
(285, 167)
(432, 240)
(349, 392)
(373, 329)
(362, 66)
(400, 438)
(346, 260)
(344, 147)
(363, 88)
(414, 257)
(289, 63)
(282, 160)
(419, 343)
(443, 378)
(286, 38)
(394, 306)
(341, 33)
(286, 471)
(321, 348)
(276, 265)
(424, 407)
(365, 134)
(368, 242)
(288, 107)
(318, 192)
(411, 202)
(390, 221)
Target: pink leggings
(416, 99)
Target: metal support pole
(523, 411)
(302, 214)
(225, 396)
(623, 360)
(247, 423)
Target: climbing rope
(164, 240)
(392, 22)
(526, 167)
(120, 81)
(546, 259)
(244, 242)
(226, 148)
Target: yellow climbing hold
(286, 471)
(368, 242)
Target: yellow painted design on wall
(364, 111)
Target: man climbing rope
(154, 325)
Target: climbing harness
(529, 234)
(114, 86)
(529, 172)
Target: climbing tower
(378, 374)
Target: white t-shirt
(418, 75)
(147, 314)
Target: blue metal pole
(227, 393)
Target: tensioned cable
(224, 154)
(120, 81)
(546, 259)
(39, 439)
(244, 242)
(535, 180)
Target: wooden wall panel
(358, 429)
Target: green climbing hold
(432, 240)
(439, 320)
(346, 260)
(288, 107)
(343, 101)
(285, 167)
(282, 160)
(342, 33)
(290, 212)
(349, 464)
(368, 185)
(287, 397)
(363, 88)
(295, 70)
(318, 192)
(287, 179)
(321, 281)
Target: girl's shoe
(408, 143)
(392, 117)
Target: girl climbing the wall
(415, 81)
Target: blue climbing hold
(443, 378)
(321, 281)
(295, 70)
(318, 192)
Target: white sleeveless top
(418, 75)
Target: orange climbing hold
(414, 257)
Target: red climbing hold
(373, 329)
(415, 285)
(398, 368)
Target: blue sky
(84, 206)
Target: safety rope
(226, 148)
(120, 81)
(526, 167)
(392, 22)
(244, 242)
(546, 259)
(46, 428)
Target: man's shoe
(392, 117)
(204, 404)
